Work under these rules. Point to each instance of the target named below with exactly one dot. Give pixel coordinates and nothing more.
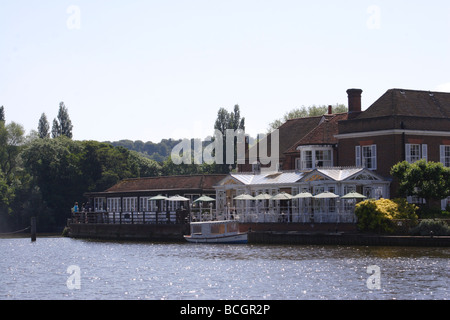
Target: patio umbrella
(159, 197)
(244, 197)
(303, 195)
(204, 198)
(263, 196)
(326, 195)
(282, 196)
(354, 195)
(178, 198)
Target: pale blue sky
(147, 70)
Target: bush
(378, 215)
(430, 226)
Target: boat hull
(240, 238)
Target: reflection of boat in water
(225, 231)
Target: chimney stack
(354, 103)
(330, 109)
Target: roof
(324, 133)
(402, 102)
(191, 182)
(286, 177)
(295, 129)
(290, 132)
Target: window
(298, 164)
(129, 204)
(316, 157)
(113, 205)
(307, 159)
(445, 155)
(323, 158)
(415, 152)
(366, 156)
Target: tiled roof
(324, 133)
(402, 102)
(291, 131)
(192, 182)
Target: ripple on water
(184, 271)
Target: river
(64, 268)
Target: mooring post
(33, 229)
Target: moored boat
(225, 231)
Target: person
(75, 212)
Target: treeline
(42, 176)
(155, 151)
(44, 173)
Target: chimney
(330, 109)
(354, 103)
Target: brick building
(401, 125)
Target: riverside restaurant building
(325, 165)
(323, 195)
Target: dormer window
(312, 157)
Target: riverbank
(258, 234)
(140, 232)
(28, 235)
(348, 239)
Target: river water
(63, 268)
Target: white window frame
(307, 160)
(445, 155)
(310, 156)
(129, 204)
(363, 154)
(416, 152)
(114, 205)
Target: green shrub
(431, 226)
(378, 215)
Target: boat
(224, 231)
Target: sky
(150, 70)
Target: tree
(11, 142)
(228, 120)
(2, 113)
(427, 180)
(64, 121)
(62, 126)
(56, 129)
(303, 112)
(43, 127)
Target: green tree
(43, 127)
(424, 179)
(228, 120)
(11, 142)
(62, 125)
(2, 113)
(64, 121)
(56, 129)
(304, 112)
